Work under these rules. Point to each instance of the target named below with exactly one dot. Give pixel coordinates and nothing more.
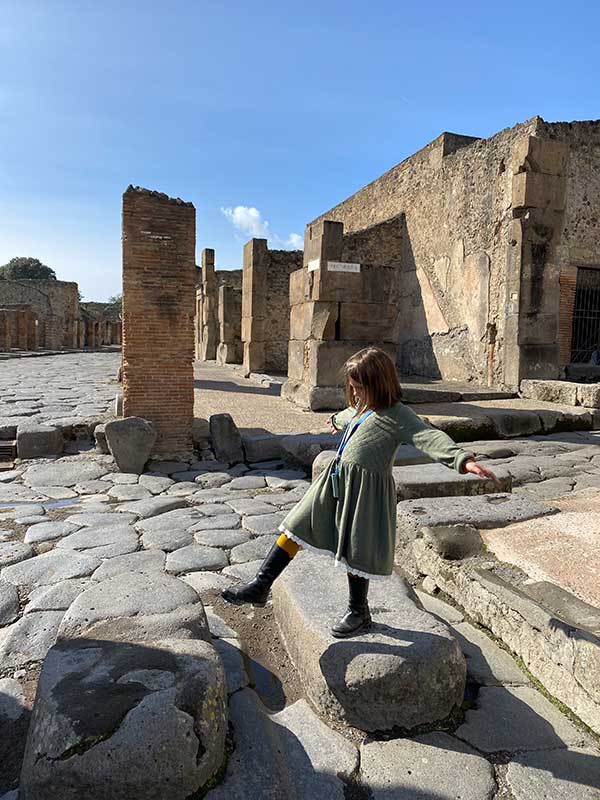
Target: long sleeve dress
(359, 527)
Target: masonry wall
(56, 304)
(206, 323)
(159, 238)
(230, 349)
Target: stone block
(228, 353)
(100, 437)
(35, 441)
(122, 720)
(298, 286)
(304, 448)
(588, 394)
(200, 431)
(535, 154)
(537, 190)
(226, 439)
(254, 356)
(323, 241)
(130, 440)
(369, 322)
(314, 398)
(454, 542)
(437, 480)
(406, 671)
(325, 360)
(262, 447)
(550, 391)
(296, 358)
(313, 321)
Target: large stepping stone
(136, 607)
(47, 531)
(222, 538)
(29, 639)
(64, 473)
(130, 440)
(124, 720)
(53, 567)
(292, 754)
(196, 557)
(559, 774)
(103, 542)
(436, 480)
(408, 670)
(13, 552)
(434, 766)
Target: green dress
(359, 528)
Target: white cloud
(248, 221)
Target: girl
(350, 510)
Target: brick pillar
(229, 350)
(210, 300)
(336, 309)
(159, 240)
(254, 304)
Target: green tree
(116, 300)
(22, 268)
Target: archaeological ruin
(210, 315)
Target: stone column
(337, 308)
(229, 350)
(210, 300)
(32, 331)
(22, 325)
(254, 304)
(4, 331)
(159, 239)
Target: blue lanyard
(348, 433)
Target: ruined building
(496, 244)
(216, 318)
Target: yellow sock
(289, 545)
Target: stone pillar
(254, 304)
(159, 240)
(5, 343)
(32, 331)
(210, 300)
(532, 346)
(337, 308)
(229, 350)
(22, 326)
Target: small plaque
(342, 266)
(314, 264)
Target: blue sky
(281, 107)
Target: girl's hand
(332, 429)
(482, 472)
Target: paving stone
(168, 467)
(233, 663)
(213, 480)
(219, 629)
(56, 597)
(209, 466)
(49, 568)
(182, 489)
(5, 534)
(560, 774)
(178, 519)
(442, 610)
(34, 520)
(57, 493)
(35, 440)
(64, 473)
(102, 541)
(250, 506)
(167, 539)
(90, 487)
(21, 495)
(214, 509)
(13, 552)
(436, 480)
(29, 639)
(152, 506)
(9, 475)
(210, 496)
(140, 561)
(263, 524)
(516, 718)
(253, 550)
(256, 768)
(248, 482)
(9, 603)
(136, 606)
(155, 484)
(130, 440)
(21, 510)
(222, 538)
(434, 766)
(484, 511)
(407, 670)
(195, 557)
(132, 492)
(187, 476)
(89, 519)
(243, 572)
(204, 582)
(12, 700)
(220, 522)
(121, 478)
(120, 720)
(46, 531)
(487, 664)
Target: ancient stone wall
(159, 240)
(265, 305)
(490, 236)
(206, 323)
(18, 328)
(230, 349)
(56, 304)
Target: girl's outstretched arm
(339, 422)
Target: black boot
(257, 591)
(358, 617)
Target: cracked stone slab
(195, 557)
(13, 552)
(561, 774)
(47, 531)
(152, 506)
(140, 561)
(253, 550)
(179, 518)
(64, 473)
(407, 670)
(220, 522)
(57, 596)
(434, 766)
(29, 639)
(263, 524)
(124, 720)
(516, 718)
(315, 758)
(102, 541)
(93, 518)
(144, 606)
(166, 539)
(49, 568)
(249, 506)
(222, 538)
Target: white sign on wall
(342, 266)
(314, 264)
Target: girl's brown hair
(375, 372)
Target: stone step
(406, 671)
(291, 754)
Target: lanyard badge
(335, 475)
